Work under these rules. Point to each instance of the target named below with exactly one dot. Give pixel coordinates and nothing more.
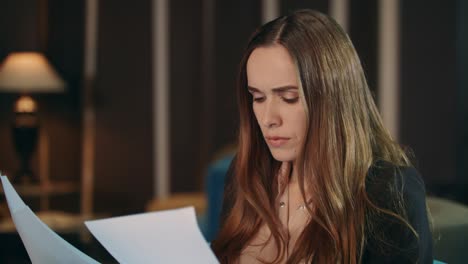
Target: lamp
(25, 73)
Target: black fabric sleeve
(415, 201)
(405, 247)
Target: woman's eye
(291, 100)
(259, 99)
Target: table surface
(47, 188)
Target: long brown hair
(345, 137)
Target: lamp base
(25, 133)
(25, 177)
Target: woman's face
(272, 81)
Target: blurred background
(147, 105)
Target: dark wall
(287, 7)
(363, 30)
(56, 30)
(124, 146)
(185, 94)
(235, 22)
(19, 26)
(462, 94)
(434, 94)
(205, 50)
(428, 87)
(207, 41)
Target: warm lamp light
(29, 72)
(25, 104)
(25, 73)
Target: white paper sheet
(170, 236)
(42, 244)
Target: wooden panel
(235, 22)
(287, 7)
(18, 26)
(363, 23)
(203, 76)
(63, 111)
(428, 86)
(462, 98)
(60, 114)
(22, 36)
(124, 154)
(185, 93)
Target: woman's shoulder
(390, 186)
(397, 179)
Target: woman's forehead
(269, 67)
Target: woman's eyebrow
(280, 89)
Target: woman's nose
(271, 117)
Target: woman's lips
(276, 141)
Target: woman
(317, 178)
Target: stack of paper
(169, 236)
(43, 244)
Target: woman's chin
(283, 155)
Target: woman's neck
(293, 183)
(293, 179)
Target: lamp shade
(29, 72)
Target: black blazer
(383, 183)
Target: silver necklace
(300, 207)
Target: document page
(170, 236)
(42, 244)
